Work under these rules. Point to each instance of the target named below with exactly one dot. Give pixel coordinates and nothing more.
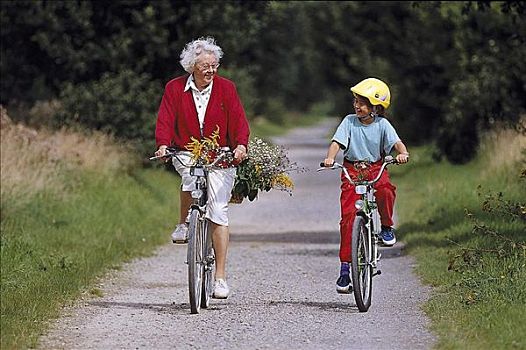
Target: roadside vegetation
(466, 226)
(72, 207)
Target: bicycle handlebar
(387, 161)
(172, 152)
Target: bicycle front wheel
(195, 260)
(361, 266)
(209, 263)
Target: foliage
(285, 56)
(502, 246)
(490, 84)
(123, 104)
(266, 167)
(245, 85)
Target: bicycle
(365, 235)
(200, 253)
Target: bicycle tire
(195, 258)
(361, 267)
(209, 270)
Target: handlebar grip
(322, 164)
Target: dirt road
(282, 267)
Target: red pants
(385, 198)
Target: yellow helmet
(375, 90)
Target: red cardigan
(177, 119)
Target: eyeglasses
(205, 67)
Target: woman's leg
(220, 239)
(185, 203)
(219, 190)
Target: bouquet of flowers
(266, 167)
(207, 150)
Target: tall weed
(502, 149)
(34, 161)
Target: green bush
(245, 88)
(123, 104)
(490, 86)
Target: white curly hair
(195, 48)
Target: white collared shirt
(201, 98)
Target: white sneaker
(180, 234)
(221, 289)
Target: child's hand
(402, 158)
(328, 162)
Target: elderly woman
(195, 105)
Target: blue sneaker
(387, 235)
(343, 284)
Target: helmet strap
(372, 114)
(366, 117)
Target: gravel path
(282, 267)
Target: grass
(470, 242)
(52, 250)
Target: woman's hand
(161, 151)
(240, 152)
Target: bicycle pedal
(378, 272)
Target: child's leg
(385, 198)
(348, 211)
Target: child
(365, 137)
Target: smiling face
(362, 106)
(205, 69)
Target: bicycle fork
(373, 222)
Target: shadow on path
(327, 237)
(349, 306)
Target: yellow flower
(282, 180)
(201, 148)
(196, 147)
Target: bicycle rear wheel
(209, 270)
(361, 267)
(195, 260)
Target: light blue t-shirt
(365, 142)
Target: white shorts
(220, 184)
